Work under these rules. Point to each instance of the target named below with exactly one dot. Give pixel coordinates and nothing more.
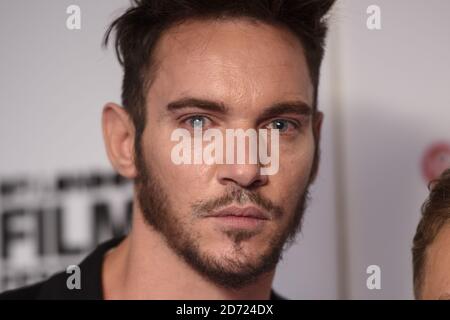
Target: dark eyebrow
(197, 103)
(296, 107)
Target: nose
(242, 166)
(244, 175)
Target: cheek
(296, 159)
(184, 181)
(157, 149)
(295, 168)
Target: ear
(317, 125)
(317, 131)
(119, 135)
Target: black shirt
(91, 281)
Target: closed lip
(246, 212)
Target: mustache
(240, 196)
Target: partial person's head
(431, 247)
(225, 65)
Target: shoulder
(47, 289)
(275, 296)
(56, 287)
(25, 293)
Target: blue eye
(281, 125)
(197, 121)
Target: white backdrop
(386, 101)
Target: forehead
(437, 270)
(237, 61)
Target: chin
(247, 250)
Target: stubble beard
(228, 272)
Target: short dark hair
(435, 214)
(139, 28)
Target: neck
(144, 267)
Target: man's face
(248, 68)
(436, 283)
